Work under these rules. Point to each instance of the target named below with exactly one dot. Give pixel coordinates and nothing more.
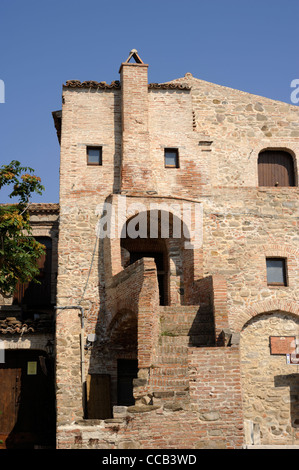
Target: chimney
(136, 172)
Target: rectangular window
(276, 272)
(94, 155)
(171, 158)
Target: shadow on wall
(291, 381)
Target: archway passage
(160, 235)
(124, 350)
(27, 400)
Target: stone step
(162, 360)
(202, 340)
(169, 371)
(177, 328)
(187, 309)
(186, 321)
(173, 342)
(189, 341)
(179, 308)
(192, 318)
(164, 383)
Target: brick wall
(219, 133)
(213, 419)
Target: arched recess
(123, 353)
(270, 386)
(123, 331)
(277, 168)
(258, 308)
(161, 235)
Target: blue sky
(247, 45)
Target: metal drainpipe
(78, 307)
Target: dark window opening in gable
(276, 272)
(276, 168)
(94, 155)
(171, 158)
(38, 295)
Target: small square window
(171, 158)
(94, 155)
(276, 272)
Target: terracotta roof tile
(116, 84)
(91, 84)
(12, 325)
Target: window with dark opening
(171, 158)
(276, 168)
(94, 155)
(276, 271)
(38, 295)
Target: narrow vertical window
(94, 155)
(276, 271)
(171, 158)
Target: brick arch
(276, 249)
(273, 249)
(264, 307)
(167, 243)
(123, 328)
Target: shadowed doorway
(27, 400)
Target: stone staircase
(195, 324)
(181, 327)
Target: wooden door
(276, 168)
(27, 417)
(98, 391)
(9, 401)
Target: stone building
(177, 287)
(27, 345)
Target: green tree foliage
(19, 251)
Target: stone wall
(212, 418)
(270, 386)
(219, 133)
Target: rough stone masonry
(196, 323)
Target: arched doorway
(123, 344)
(27, 400)
(270, 387)
(276, 168)
(160, 235)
